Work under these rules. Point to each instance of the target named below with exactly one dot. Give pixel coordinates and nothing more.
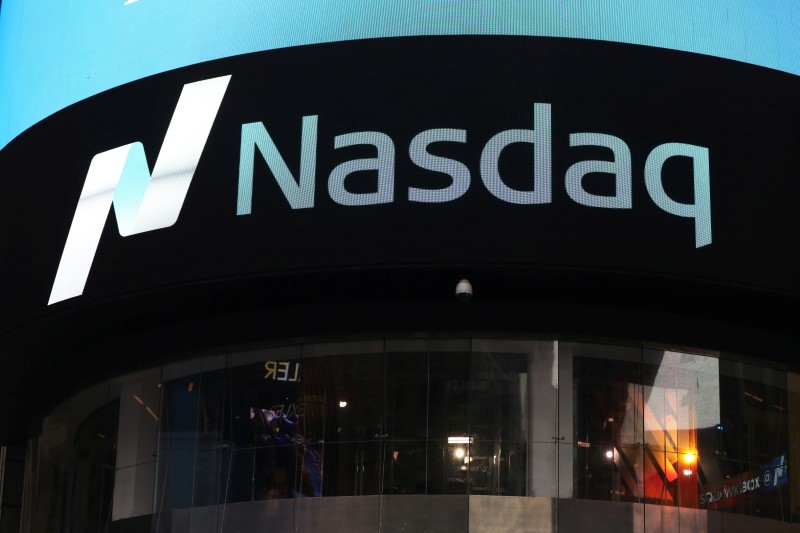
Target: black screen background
(213, 262)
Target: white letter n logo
(142, 202)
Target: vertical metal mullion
(196, 441)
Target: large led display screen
(458, 142)
(515, 142)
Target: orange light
(689, 457)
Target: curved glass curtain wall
(424, 433)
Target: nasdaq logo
(300, 190)
(142, 201)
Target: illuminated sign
(300, 192)
(144, 202)
(547, 154)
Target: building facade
(233, 238)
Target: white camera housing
(464, 290)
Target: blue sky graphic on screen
(53, 54)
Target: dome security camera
(464, 290)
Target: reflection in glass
(288, 434)
(269, 456)
(609, 412)
(744, 457)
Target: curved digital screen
(617, 170)
(536, 152)
(53, 54)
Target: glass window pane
(349, 389)
(177, 438)
(681, 411)
(744, 467)
(609, 412)
(138, 398)
(94, 445)
(208, 472)
(352, 468)
(407, 395)
(343, 422)
(404, 467)
(499, 418)
(447, 471)
(262, 430)
(793, 415)
(449, 391)
(51, 483)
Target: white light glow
(459, 440)
(459, 453)
(342, 403)
(142, 201)
(609, 454)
